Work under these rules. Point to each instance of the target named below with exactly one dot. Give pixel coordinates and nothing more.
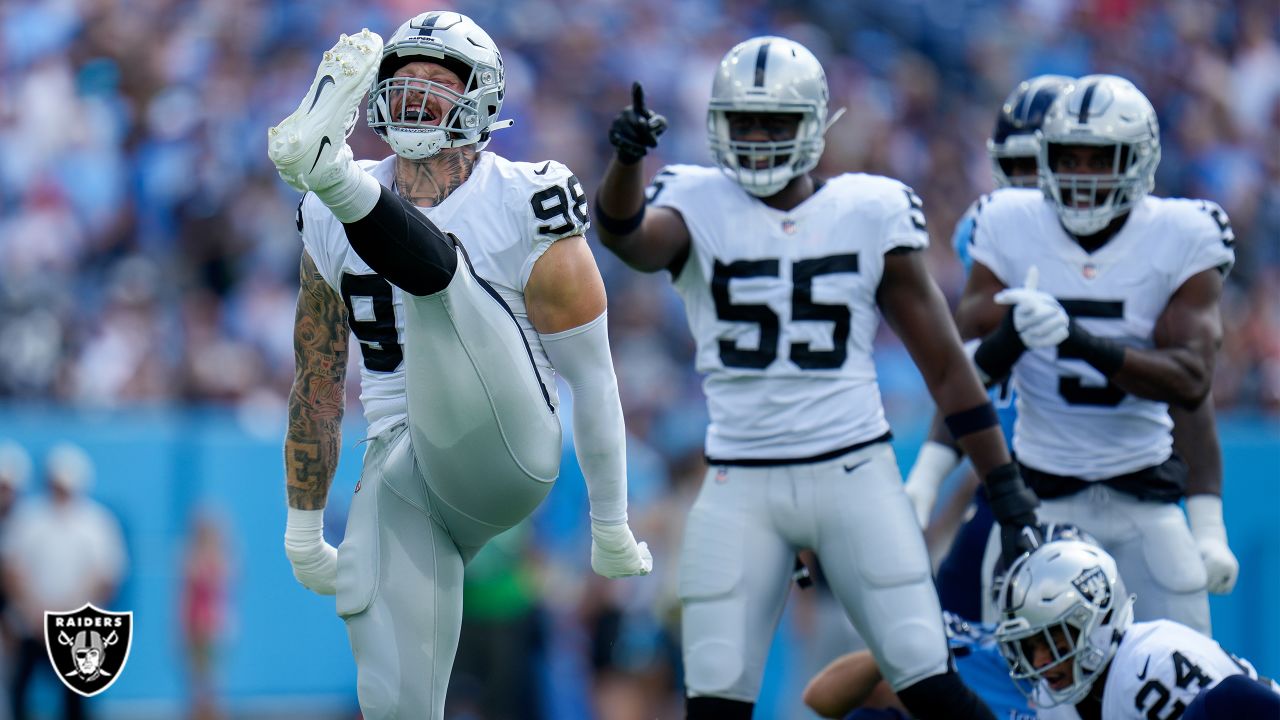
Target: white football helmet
(456, 42)
(768, 75)
(1014, 136)
(1106, 111)
(1073, 588)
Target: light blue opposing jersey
(983, 669)
(782, 307)
(1071, 420)
(506, 215)
(1002, 394)
(962, 237)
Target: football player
(467, 282)
(1014, 151)
(1117, 322)
(782, 274)
(1067, 633)
(851, 686)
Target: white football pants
(479, 452)
(736, 565)
(1151, 543)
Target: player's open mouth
(1057, 679)
(757, 162)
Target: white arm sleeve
(582, 356)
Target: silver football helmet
(768, 75)
(1105, 111)
(1014, 137)
(1065, 591)
(456, 42)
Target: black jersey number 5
(1070, 387)
(802, 308)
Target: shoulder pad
(555, 199)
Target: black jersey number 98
(554, 205)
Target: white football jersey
(782, 306)
(1157, 671)
(1071, 420)
(506, 215)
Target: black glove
(636, 129)
(1014, 507)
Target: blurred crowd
(148, 252)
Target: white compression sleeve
(582, 356)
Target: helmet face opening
(1019, 171)
(767, 114)
(401, 109)
(761, 141)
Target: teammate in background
(467, 282)
(1117, 322)
(1014, 150)
(1067, 632)
(782, 273)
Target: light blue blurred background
(285, 653)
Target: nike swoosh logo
(855, 466)
(326, 79)
(544, 169)
(1143, 675)
(323, 141)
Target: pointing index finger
(1033, 278)
(637, 99)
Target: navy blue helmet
(1013, 146)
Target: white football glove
(1204, 514)
(314, 561)
(615, 552)
(1039, 318)
(934, 463)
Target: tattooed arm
(314, 438)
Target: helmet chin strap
(400, 140)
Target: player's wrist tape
(617, 226)
(1012, 502)
(975, 419)
(1104, 354)
(629, 154)
(1204, 515)
(934, 463)
(998, 352)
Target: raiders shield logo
(88, 647)
(1093, 586)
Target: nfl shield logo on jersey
(88, 647)
(1093, 586)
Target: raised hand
(636, 128)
